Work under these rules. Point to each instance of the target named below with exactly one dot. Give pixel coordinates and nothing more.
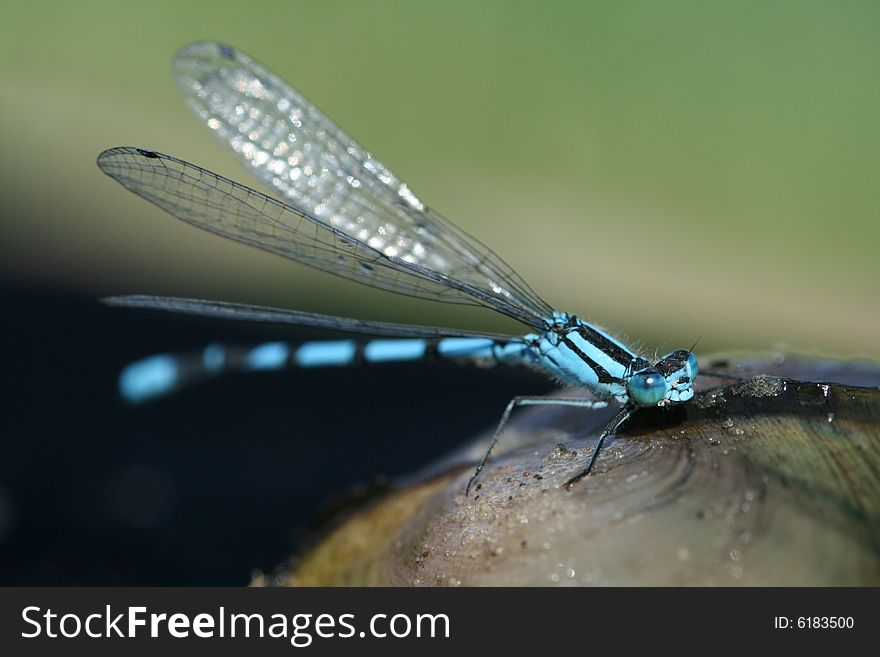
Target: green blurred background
(670, 170)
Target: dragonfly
(344, 212)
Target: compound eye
(692, 367)
(647, 388)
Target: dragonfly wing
(221, 206)
(323, 173)
(264, 314)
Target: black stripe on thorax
(602, 374)
(613, 350)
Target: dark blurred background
(671, 170)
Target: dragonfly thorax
(580, 354)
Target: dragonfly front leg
(609, 429)
(579, 402)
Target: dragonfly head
(669, 380)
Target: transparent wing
(265, 314)
(322, 172)
(219, 205)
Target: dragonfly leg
(609, 429)
(528, 401)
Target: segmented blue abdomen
(164, 373)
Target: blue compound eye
(647, 388)
(692, 367)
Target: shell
(767, 481)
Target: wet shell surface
(772, 480)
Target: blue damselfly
(346, 213)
